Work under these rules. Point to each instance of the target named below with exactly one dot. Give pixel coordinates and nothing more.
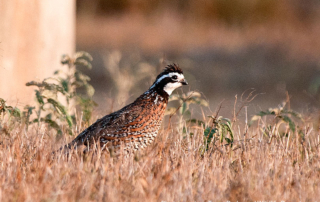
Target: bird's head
(171, 78)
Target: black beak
(184, 82)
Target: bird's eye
(174, 77)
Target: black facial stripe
(164, 81)
(160, 76)
(159, 87)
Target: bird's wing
(110, 126)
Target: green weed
(56, 97)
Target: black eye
(174, 77)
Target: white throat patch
(169, 87)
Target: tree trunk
(33, 36)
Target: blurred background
(225, 48)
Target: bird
(136, 125)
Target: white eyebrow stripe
(180, 76)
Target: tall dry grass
(173, 168)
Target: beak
(184, 82)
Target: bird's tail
(65, 150)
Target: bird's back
(135, 125)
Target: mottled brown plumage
(136, 125)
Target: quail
(136, 125)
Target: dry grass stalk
(286, 169)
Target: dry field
(272, 164)
(276, 158)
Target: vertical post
(33, 36)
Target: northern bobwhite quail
(136, 125)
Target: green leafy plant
(279, 116)
(183, 109)
(13, 115)
(221, 129)
(13, 111)
(52, 92)
(75, 80)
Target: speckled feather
(134, 126)
(136, 123)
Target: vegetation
(63, 86)
(273, 157)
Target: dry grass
(171, 169)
